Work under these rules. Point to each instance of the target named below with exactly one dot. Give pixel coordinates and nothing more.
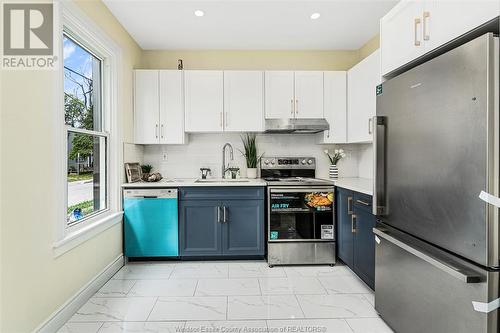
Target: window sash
(106, 162)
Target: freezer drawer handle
(364, 203)
(465, 275)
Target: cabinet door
(335, 106)
(146, 106)
(200, 228)
(309, 94)
(446, 20)
(243, 229)
(400, 36)
(364, 245)
(362, 81)
(279, 95)
(345, 237)
(244, 101)
(171, 107)
(204, 93)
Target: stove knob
(310, 162)
(272, 162)
(266, 162)
(304, 161)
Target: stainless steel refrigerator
(436, 147)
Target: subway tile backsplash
(205, 150)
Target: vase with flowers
(334, 158)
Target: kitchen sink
(221, 180)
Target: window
(86, 132)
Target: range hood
(304, 126)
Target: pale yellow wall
(234, 59)
(369, 47)
(34, 283)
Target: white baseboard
(66, 311)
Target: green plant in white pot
(250, 152)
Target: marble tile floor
(229, 296)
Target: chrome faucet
(224, 168)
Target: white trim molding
(74, 21)
(66, 311)
(73, 239)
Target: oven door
(300, 214)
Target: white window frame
(75, 23)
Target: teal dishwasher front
(151, 223)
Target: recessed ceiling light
(199, 13)
(315, 16)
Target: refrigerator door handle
(379, 198)
(464, 274)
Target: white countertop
(182, 182)
(363, 185)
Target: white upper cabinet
(204, 101)
(362, 81)
(335, 107)
(146, 107)
(158, 107)
(172, 107)
(280, 101)
(413, 28)
(445, 20)
(244, 101)
(309, 94)
(401, 35)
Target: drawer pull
(349, 205)
(364, 203)
(353, 223)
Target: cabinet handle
(161, 131)
(224, 214)
(353, 223)
(220, 120)
(226, 119)
(296, 106)
(218, 214)
(364, 203)
(291, 107)
(349, 205)
(156, 131)
(416, 41)
(427, 15)
(370, 126)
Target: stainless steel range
(300, 208)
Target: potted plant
(146, 170)
(334, 158)
(250, 153)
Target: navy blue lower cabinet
(364, 244)
(200, 229)
(243, 229)
(345, 236)
(355, 238)
(211, 224)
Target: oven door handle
(289, 189)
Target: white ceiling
(244, 24)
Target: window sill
(77, 237)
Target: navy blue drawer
(362, 200)
(222, 193)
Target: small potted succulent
(334, 158)
(146, 170)
(250, 153)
